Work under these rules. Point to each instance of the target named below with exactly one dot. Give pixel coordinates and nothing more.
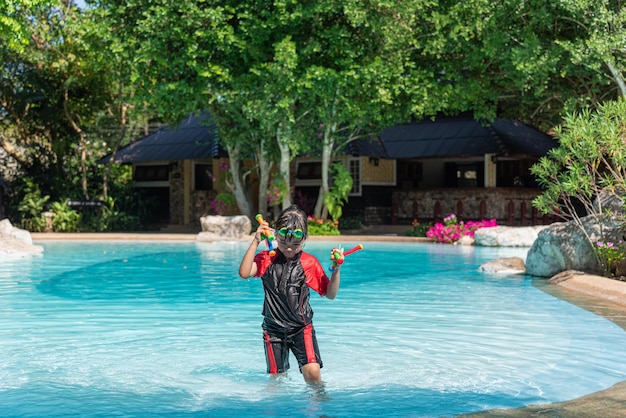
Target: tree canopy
(283, 77)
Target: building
(422, 170)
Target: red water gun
(266, 234)
(337, 258)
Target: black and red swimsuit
(287, 313)
(286, 284)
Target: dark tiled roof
(460, 136)
(194, 138)
(366, 147)
(463, 136)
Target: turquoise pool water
(170, 330)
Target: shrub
(353, 222)
(610, 255)
(319, 226)
(587, 171)
(65, 218)
(223, 203)
(419, 229)
(452, 230)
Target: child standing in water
(287, 277)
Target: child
(287, 277)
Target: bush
(419, 229)
(65, 218)
(587, 170)
(319, 226)
(452, 230)
(610, 255)
(355, 222)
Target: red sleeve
(262, 260)
(316, 277)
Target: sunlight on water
(168, 329)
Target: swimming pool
(169, 329)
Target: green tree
(63, 102)
(586, 175)
(531, 60)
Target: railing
(509, 206)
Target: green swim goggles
(291, 234)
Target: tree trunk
(265, 166)
(285, 159)
(327, 150)
(618, 78)
(81, 145)
(239, 189)
(116, 146)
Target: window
(203, 176)
(151, 173)
(409, 174)
(309, 173)
(309, 170)
(354, 168)
(464, 175)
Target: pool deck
(599, 295)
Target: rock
(598, 287)
(565, 246)
(507, 236)
(16, 243)
(465, 240)
(564, 275)
(508, 265)
(220, 228)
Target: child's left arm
(333, 286)
(335, 277)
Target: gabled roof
(366, 147)
(462, 136)
(194, 138)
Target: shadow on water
(156, 276)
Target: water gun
(266, 234)
(338, 258)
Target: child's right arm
(248, 267)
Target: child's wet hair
(293, 218)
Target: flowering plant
(610, 255)
(450, 220)
(222, 203)
(319, 226)
(419, 229)
(277, 189)
(452, 230)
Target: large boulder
(507, 236)
(16, 242)
(565, 246)
(220, 228)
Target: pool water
(139, 329)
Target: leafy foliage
(65, 219)
(319, 226)
(280, 78)
(338, 195)
(610, 254)
(32, 207)
(586, 174)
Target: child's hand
(263, 232)
(336, 257)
